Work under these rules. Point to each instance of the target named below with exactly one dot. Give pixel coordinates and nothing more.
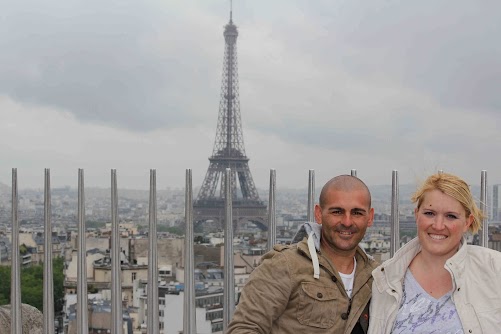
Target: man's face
(344, 218)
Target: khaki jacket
(476, 283)
(283, 297)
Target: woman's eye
(452, 217)
(428, 213)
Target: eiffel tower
(229, 152)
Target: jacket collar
(456, 264)
(392, 271)
(362, 258)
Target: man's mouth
(346, 232)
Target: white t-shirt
(348, 279)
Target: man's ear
(371, 217)
(318, 214)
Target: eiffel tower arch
(229, 152)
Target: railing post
(116, 269)
(153, 315)
(354, 172)
(272, 221)
(395, 219)
(48, 291)
(15, 282)
(189, 315)
(484, 232)
(229, 280)
(311, 196)
(82, 313)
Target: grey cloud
(100, 61)
(446, 49)
(146, 65)
(345, 136)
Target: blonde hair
(456, 188)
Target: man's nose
(347, 219)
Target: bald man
(323, 283)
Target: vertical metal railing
(189, 320)
(116, 269)
(272, 218)
(395, 219)
(15, 282)
(82, 313)
(354, 172)
(153, 315)
(484, 232)
(311, 196)
(48, 291)
(229, 277)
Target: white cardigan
(476, 282)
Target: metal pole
(48, 291)
(15, 282)
(116, 269)
(311, 196)
(354, 172)
(395, 220)
(153, 315)
(82, 314)
(272, 222)
(229, 280)
(189, 320)
(484, 232)
(440, 171)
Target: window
(133, 277)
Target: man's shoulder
(281, 251)
(368, 259)
(284, 247)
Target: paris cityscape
(225, 149)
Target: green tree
(32, 285)
(94, 224)
(92, 289)
(5, 286)
(171, 229)
(23, 249)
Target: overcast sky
(327, 85)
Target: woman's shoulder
(486, 257)
(483, 251)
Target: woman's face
(441, 222)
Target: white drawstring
(314, 256)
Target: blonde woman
(437, 283)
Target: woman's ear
(469, 221)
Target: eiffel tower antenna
(231, 11)
(229, 151)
